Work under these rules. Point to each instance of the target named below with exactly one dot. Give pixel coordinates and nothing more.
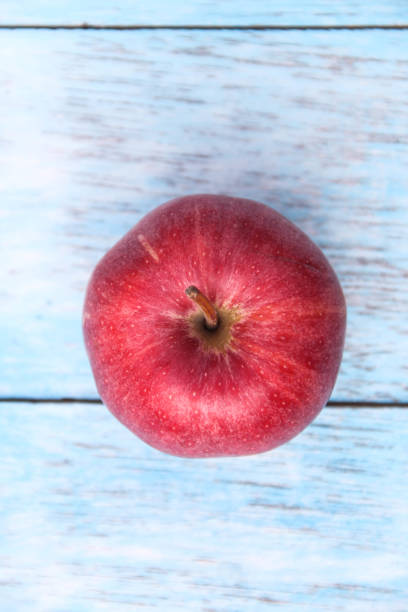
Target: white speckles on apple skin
(286, 350)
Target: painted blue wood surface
(292, 12)
(93, 519)
(98, 128)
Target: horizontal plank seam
(271, 27)
(90, 400)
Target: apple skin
(267, 373)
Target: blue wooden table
(107, 110)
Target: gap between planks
(271, 27)
(89, 400)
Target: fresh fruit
(214, 327)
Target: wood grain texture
(98, 128)
(292, 12)
(93, 519)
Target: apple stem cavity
(211, 318)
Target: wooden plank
(93, 519)
(98, 128)
(288, 12)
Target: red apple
(239, 363)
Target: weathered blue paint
(98, 128)
(289, 12)
(93, 519)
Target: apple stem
(209, 311)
